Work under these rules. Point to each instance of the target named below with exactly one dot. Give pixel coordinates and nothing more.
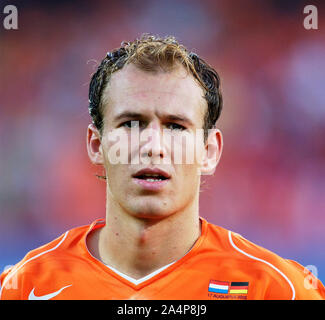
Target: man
(144, 99)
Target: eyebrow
(128, 115)
(168, 117)
(181, 118)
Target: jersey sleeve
(9, 285)
(283, 279)
(17, 282)
(307, 286)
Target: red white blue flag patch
(227, 287)
(219, 286)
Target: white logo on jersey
(46, 296)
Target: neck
(138, 246)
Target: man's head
(153, 54)
(154, 85)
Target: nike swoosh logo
(46, 296)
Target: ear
(94, 145)
(212, 153)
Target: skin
(147, 229)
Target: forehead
(135, 90)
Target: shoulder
(282, 278)
(40, 261)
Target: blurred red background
(270, 183)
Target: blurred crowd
(270, 183)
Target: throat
(138, 247)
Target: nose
(152, 144)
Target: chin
(151, 211)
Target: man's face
(160, 107)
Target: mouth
(151, 179)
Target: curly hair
(150, 53)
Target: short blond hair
(151, 54)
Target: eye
(132, 124)
(175, 126)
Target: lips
(152, 174)
(152, 179)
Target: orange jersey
(221, 265)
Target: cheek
(116, 148)
(118, 183)
(187, 178)
(188, 149)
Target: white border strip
(269, 264)
(13, 272)
(145, 278)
